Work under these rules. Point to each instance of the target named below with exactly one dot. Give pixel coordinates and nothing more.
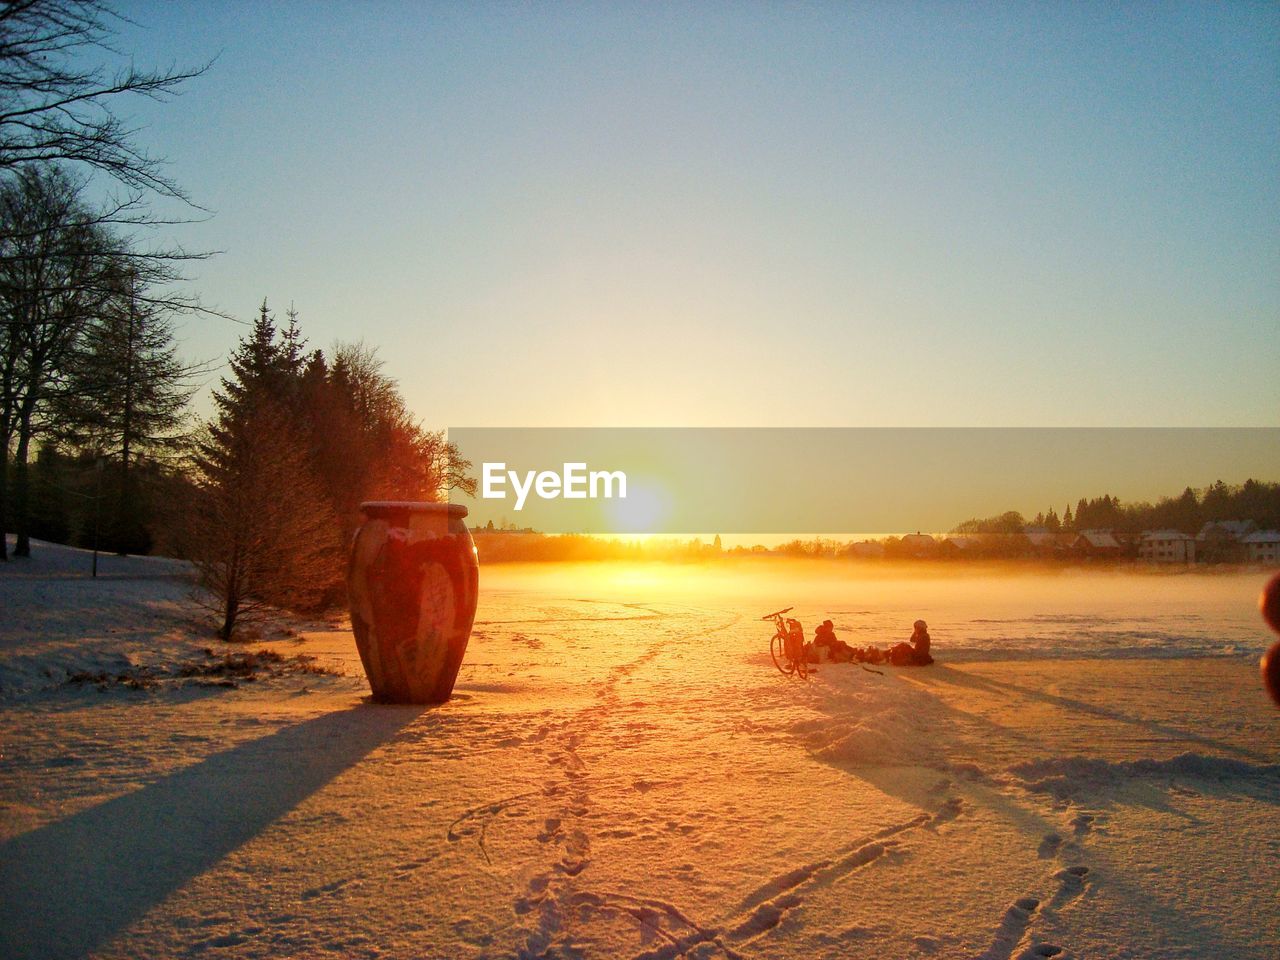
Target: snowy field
(1091, 770)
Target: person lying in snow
(914, 653)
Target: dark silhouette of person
(916, 652)
(837, 650)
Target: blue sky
(747, 214)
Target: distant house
(1167, 546)
(1128, 541)
(1263, 546)
(1096, 543)
(1225, 530)
(918, 545)
(1046, 543)
(1222, 541)
(960, 543)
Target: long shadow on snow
(1164, 730)
(67, 888)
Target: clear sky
(882, 214)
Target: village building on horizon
(1218, 542)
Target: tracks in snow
(563, 802)
(558, 898)
(1017, 937)
(765, 909)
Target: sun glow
(645, 507)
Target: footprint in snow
(534, 894)
(1049, 846)
(1011, 930)
(765, 917)
(225, 940)
(953, 808)
(329, 888)
(575, 858)
(409, 867)
(1072, 881)
(1040, 950)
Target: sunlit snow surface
(623, 773)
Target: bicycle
(787, 645)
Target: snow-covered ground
(623, 774)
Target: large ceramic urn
(412, 583)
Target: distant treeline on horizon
(1217, 514)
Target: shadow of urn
(412, 583)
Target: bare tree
(49, 287)
(59, 93)
(63, 264)
(406, 460)
(63, 84)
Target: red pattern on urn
(412, 583)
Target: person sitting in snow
(916, 652)
(837, 650)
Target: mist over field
(973, 611)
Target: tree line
(277, 475)
(98, 442)
(87, 296)
(1254, 500)
(262, 496)
(88, 364)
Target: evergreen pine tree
(263, 529)
(258, 369)
(126, 398)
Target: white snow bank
(137, 624)
(876, 734)
(59, 560)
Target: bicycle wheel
(785, 666)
